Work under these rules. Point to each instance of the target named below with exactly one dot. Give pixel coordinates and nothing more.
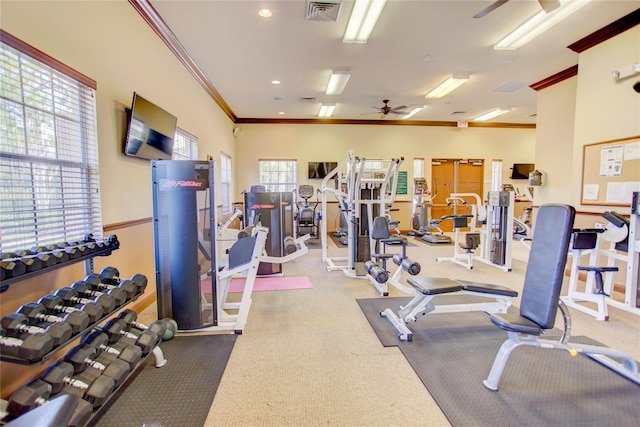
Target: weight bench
(495, 299)
(541, 298)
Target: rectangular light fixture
(448, 86)
(537, 25)
(338, 81)
(363, 18)
(491, 114)
(412, 113)
(326, 110)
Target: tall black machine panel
(275, 210)
(182, 224)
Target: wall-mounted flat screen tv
(150, 131)
(522, 170)
(318, 170)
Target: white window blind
(227, 187)
(50, 190)
(418, 167)
(185, 146)
(278, 175)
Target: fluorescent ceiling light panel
(363, 18)
(538, 25)
(326, 110)
(338, 81)
(491, 114)
(448, 86)
(412, 113)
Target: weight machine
(366, 193)
(623, 238)
(306, 217)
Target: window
(278, 175)
(418, 167)
(50, 189)
(227, 188)
(185, 146)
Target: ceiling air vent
(308, 99)
(323, 10)
(453, 113)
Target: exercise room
(300, 213)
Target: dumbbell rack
(88, 269)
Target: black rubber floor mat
(453, 353)
(180, 393)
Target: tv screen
(150, 131)
(318, 170)
(522, 170)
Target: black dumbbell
(71, 296)
(55, 304)
(111, 276)
(58, 254)
(16, 323)
(31, 263)
(100, 341)
(96, 281)
(117, 328)
(71, 250)
(12, 267)
(28, 347)
(82, 356)
(84, 289)
(78, 320)
(36, 393)
(48, 259)
(130, 316)
(96, 392)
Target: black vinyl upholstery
(547, 260)
(380, 228)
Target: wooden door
(455, 176)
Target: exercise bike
(421, 224)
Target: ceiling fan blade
(490, 8)
(397, 109)
(549, 5)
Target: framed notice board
(610, 172)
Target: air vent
(453, 113)
(308, 99)
(323, 10)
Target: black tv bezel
(516, 174)
(322, 172)
(162, 153)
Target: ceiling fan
(385, 109)
(546, 5)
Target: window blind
(50, 189)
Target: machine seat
(487, 288)
(512, 322)
(434, 285)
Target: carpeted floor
(180, 393)
(452, 354)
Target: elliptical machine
(306, 216)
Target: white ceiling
(415, 45)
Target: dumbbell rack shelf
(48, 356)
(88, 267)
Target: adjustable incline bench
(541, 298)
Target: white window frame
(49, 168)
(278, 175)
(418, 167)
(226, 182)
(185, 146)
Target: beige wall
(605, 109)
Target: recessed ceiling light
(265, 13)
(275, 82)
(281, 113)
